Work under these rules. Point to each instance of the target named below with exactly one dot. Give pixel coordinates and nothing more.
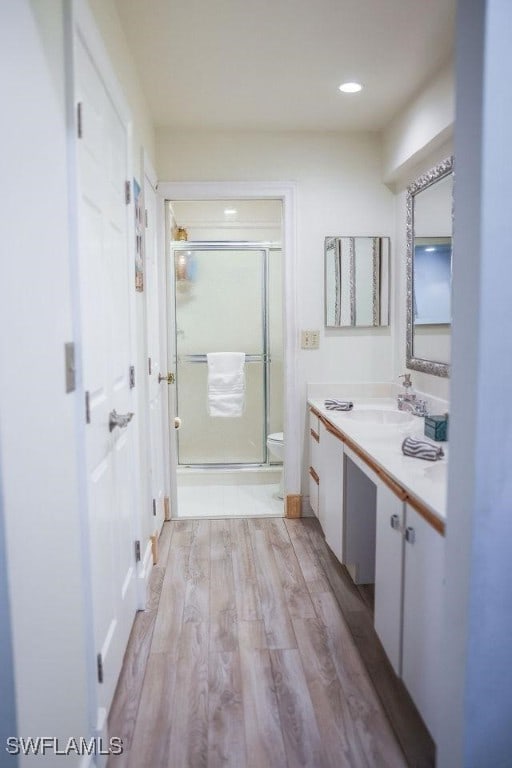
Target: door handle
(169, 378)
(118, 420)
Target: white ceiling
(276, 64)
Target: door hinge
(99, 664)
(132, 376)
(69, 356)
(127, 192)
(146, 217)
(149, 366)
(154, 507)
(137, 551)
(79, 120)
(87, 408)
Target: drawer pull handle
(395, 522)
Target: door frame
(236, 190)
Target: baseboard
(293, 505)
(143, 574)
(306, 510)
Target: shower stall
(228, 298)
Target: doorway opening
(227, 297)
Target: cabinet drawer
(313, 490)
(314, 422)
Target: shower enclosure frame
(263, 247)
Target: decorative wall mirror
(356, 281)
(429, 270)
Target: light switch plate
(310, 339)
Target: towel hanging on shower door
(226, 383)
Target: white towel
(226, 383)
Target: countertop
(424, 480)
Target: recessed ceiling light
(350, 87)
(229, 211)
(429, 249)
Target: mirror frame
(381, 286)
(439, 171)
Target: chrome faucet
(412, 404)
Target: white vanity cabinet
(384, 533)
(422, 615)
(331, 490)
(389, 554)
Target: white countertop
(425, 480)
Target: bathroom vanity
(383, 516)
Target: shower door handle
(169, 378)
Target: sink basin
(381, 416)
(437, 471)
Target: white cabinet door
(389, 553)
(106, 284)
(331, 490)
(423, 605)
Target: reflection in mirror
(429, 269)
(356, 281)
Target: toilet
(275, 445)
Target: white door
(106, 280)
(156, 390)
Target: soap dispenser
(408, 395)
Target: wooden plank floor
(248, 656)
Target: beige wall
(339, 191)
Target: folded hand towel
(226, 383)
(420, 449)
(332, 404)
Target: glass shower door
(220, 307)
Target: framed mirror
(429, 270)
(356, 281)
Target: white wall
(38, 421)
(421, 127)
(339, 191)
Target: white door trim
(287, 193)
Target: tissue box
(436, 427)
